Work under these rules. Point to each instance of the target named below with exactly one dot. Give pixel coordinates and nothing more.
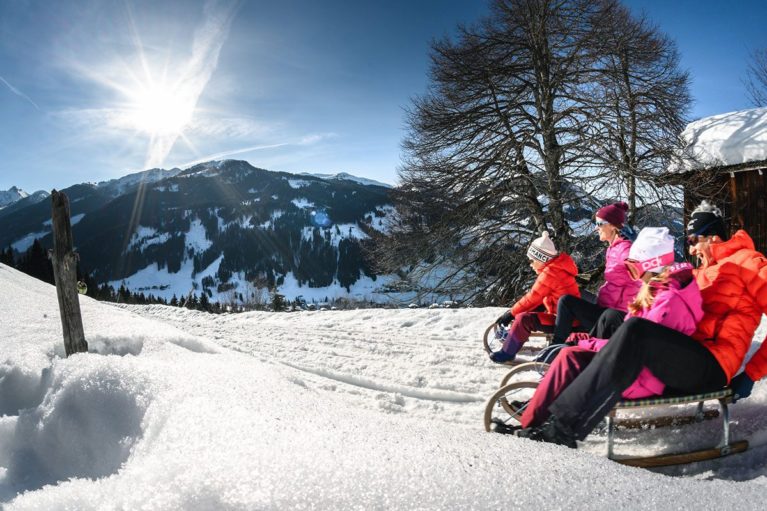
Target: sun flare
(160, 110)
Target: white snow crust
(364, 409)
(726, 139)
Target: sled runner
(725, 446)
(507, 404)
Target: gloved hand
(574, 337)
(741, 386)
(505, 319)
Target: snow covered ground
(366, 409)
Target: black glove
(505, 319)
(741, 386)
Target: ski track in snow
(423, 364)
(352, 352)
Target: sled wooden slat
(689, 457)
(665, 420)
(674, 400)
(725, 447)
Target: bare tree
(528, 112)
(756, 78)
(639, 103)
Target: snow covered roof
(724, 140)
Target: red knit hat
(614, 213)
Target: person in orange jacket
(732, 279)
(556, 277)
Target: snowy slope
(367, 409)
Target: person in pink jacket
(669, 296)
(618, 290)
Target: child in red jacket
(556, 277)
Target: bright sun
(160, 110)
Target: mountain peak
(8, 197)
(345, 176)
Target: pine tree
(36, 263)
(6, 257)
(204, 304)
(278, 301)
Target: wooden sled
(508, 403)
(724, 448)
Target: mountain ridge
(224, 228)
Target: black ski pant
(571, 308)
(609, 321)
(682, 363)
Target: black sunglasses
(692, 239)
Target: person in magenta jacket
(669, 296)
(618, 290)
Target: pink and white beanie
(653, 249)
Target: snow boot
(501, 357)
(551, 431)
(498, 426)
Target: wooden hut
(725, 161)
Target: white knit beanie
(653, 248)
(542, 249)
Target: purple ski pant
(570, 362)
(523, 325)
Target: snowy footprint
(84, 427)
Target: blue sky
(94, 89)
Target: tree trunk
(65, 276)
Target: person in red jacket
(556, 277)
(733, 282)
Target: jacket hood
(681, 272)
(564, 263)
(689, 293)
(738, 241)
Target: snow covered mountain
(223, 228)
(8, 197)
(348, 177)
(126, 183)
(15, 199)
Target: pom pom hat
(542, 249)
(652, 251)
(614, 214)
(706, 220)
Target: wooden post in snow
(65, 275)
